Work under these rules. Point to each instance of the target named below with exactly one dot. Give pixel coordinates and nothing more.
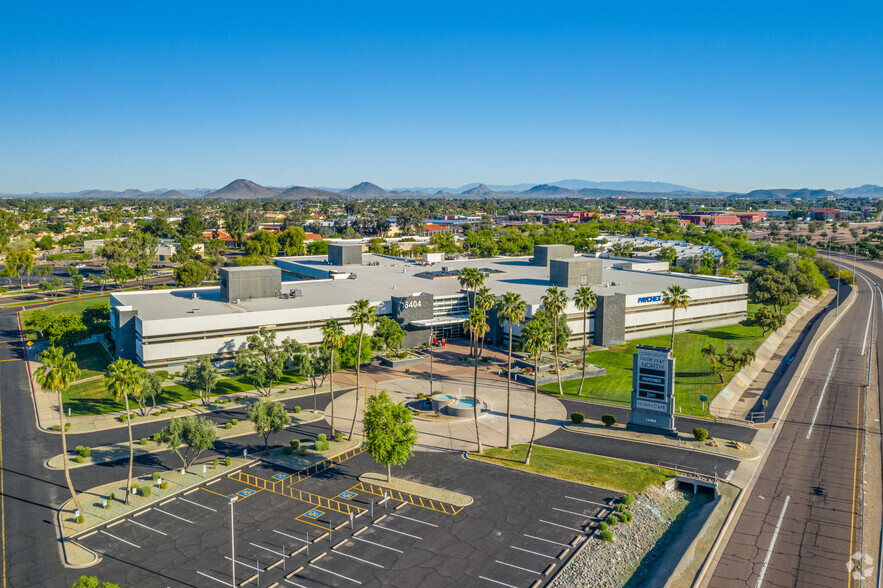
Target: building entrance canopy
(439, 321)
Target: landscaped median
(583, 468)
(108, 453)
(417, 489)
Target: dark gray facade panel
(610, 320)
(542, 254)
(123, 332)
(575, 271)
(345, 254)
(250, 282)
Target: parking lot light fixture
(232, 498)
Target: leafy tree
(123, 379)
(262, 243)
(332, 339)
(198, 433)
(99, 280)
(45, 243)
(554, 302)
(388, 334)
(260, 360)
(318, 247)
(291, 240)
(19, 262)
(585, 300)
(192, 273)
(768, 319)
(675, 297)
(361, 313)
(536, 337)
(39, 320)
(200, 376)
(151, 387)
(141, 271)
(66, 329)
(58, 372)
(667, 254)
(92, 582)
(120, 273)
(770, 286)
(52, 286)
(390, 435)
(732, 360)
(78, 281)
(96, 317)
(268, 417)
(192, 224)
(511, 309)
(215, 247)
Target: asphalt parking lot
(519, 531)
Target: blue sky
(711, 95)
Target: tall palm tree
(535, 340)
(477, 326)
(332, 338)
(585, 300)
(58, 371)
(123, 378)
(675, 297)
(471, 278)
(554, 301)
(361, 313)
(484, 301)
(510, 308)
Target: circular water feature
(448, 405)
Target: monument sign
(653, 385)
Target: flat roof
(396, 277)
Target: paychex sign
(646, 299)
(653, 389)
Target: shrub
(321, 437)
(612, 520)
(143, 441)
(86, 451)
(81, 519)
(227, 461)
(627, 499)
(302, 451)
(628, 515)
(156, 437)
(234, 422)
(163, 485)
(407, 370)
(419, 395)
(321, 445)
(577, 417)
(338, 437)
(228, 426)
(145, 491)
(602, 526)
(700, 434)
(79, 459)
(135, 486)
(607, 536)
(622, 517)
(122, 419)
(619, 508)
(110, 498)
(78, 449)
(295, 443)
(155, 476)
(297, 409)
(215, 461)
(288, 450)
(608, 419)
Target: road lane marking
(370, 563)
(146, 527)
(858, 409)
(410, 519)
(173, 515)
(377, 544)
(870, 313)
(335, 574)
(497, 582)
(199, 505)
(376, 526)
(822, 395)
(518, 567)
(547, 540)
(533, 552)
(118, 539)
(769, 553)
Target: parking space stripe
(410, 519)
(579, 514)
(377, 544)
(146, 527)
(547, 540)
(242, 563)
(294, 583)
(497, 582)
(399, 532)
(199, 505)
(276, 553)
(533, 552)
(224, 582)
(118, 539)
(588, 501)
(335, 574)
(174, 516)
(518, 567)
(213, 492)
(370, 563)
(291, 536)
(563, 526)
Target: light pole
(232, 498)
(430, 361)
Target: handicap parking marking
(246, 492)
(280, 476)
(314, 514)
(348, 495)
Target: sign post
(653, 378)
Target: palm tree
(477, 326)
(510, 308)
(123, 378)
(361, 313)
(58, 371)
(471, 277)
(484, 301)
(675, 297)
(535, 340)
(585, 300)
(554, 302)
(332, 338)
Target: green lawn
(693, 376)
(92, 360)
(92, 397)
(604, 472)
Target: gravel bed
(607, 565)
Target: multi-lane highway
(803, 518)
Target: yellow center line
(858, 407)
(12, 359)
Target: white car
(80, 265)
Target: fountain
(460, 407)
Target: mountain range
(242, 189)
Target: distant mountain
(479, 190)
(365, 190)
(865, 191)
(628, 186)
(241, 189)
(302, 193)
(803, 193)
(173, 195)
(548, 190)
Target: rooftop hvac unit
(352, 276)
(296, 293)
(194, 296)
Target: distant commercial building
(824, 214)
(163, 329)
